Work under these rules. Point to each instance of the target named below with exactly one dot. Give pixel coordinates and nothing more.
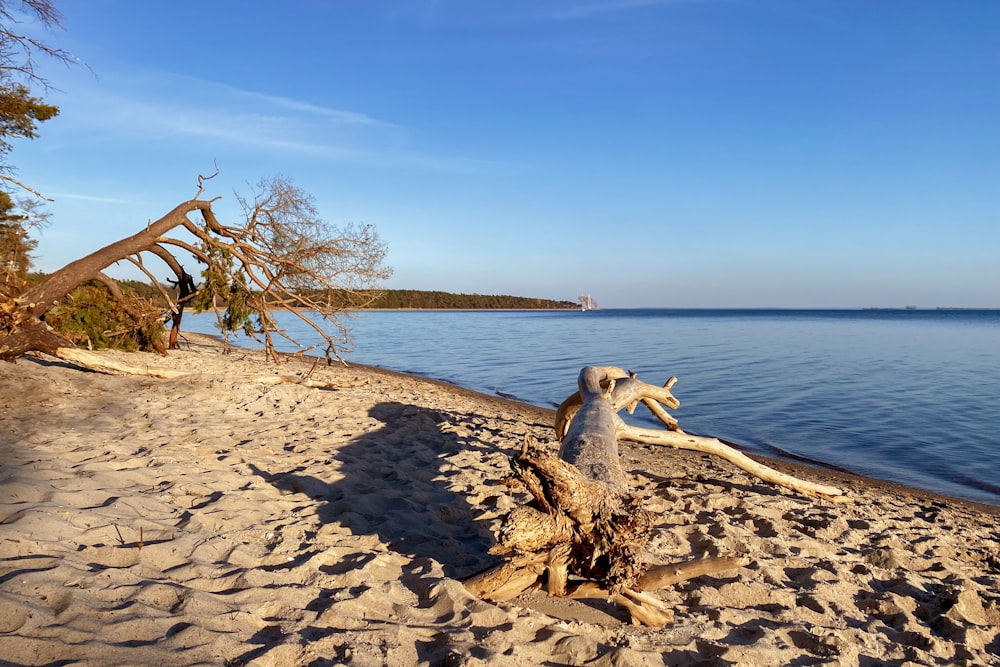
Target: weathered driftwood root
(507, 580)
(583, 523)
(623, 390)
(586, 527)
(581, 530)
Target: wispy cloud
(157, 106)
(157, 109)
(88, 198)
(339, 116)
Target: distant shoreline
(688, 309)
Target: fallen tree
(584, 522)
(281, 256)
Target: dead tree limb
(625, 390)
(96, 362)
(681, 440)
(102, 364)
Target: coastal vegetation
(20, 113)
(96, 315)
(280, 255)
(130, 314)
(20, 109)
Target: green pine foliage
(20, 114)
(90, 316)
(15, 248)
(20, 110)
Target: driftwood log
(584, 534)
(101, 364)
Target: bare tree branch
(9, 179)
(282, 255)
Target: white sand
(215, 520)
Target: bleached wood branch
(681, 440)
(625, 390)
(9, 179)
(96, 362)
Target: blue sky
(715, 153)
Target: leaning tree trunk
(186, 291)
(584, 522)
(38, 299)
(21, 327)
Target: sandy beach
(217, 519)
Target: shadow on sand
(397, 484)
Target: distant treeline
(137, 287)
(394, 299)
(422, 299)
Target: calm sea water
(905, 396)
